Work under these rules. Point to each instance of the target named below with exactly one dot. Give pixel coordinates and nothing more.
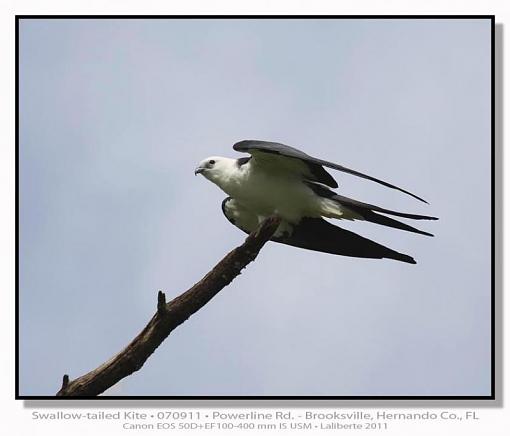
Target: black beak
(199, 170)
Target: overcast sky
(114, 117)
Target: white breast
(267, 193)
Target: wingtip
(417, 198)
(407, 259)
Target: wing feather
(315, 234)
(319, 235)
(315, 166)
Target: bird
(280, 180)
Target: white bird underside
(279, 180)
(266, 191)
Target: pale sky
(114, 117)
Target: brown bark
(168, 317)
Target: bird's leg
(276, 213)
(260, 219)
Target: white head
(217, 169)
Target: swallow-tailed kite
(283, 181)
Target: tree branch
(169, 316)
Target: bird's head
(215, 168)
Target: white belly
(267, 194)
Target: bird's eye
(212, 161)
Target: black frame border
(492, 396)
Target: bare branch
(169, 316)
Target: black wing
(314, 234)
(314, 165)
(319, 235)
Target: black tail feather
(390, 222)
(359, 205)
(368, 211)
